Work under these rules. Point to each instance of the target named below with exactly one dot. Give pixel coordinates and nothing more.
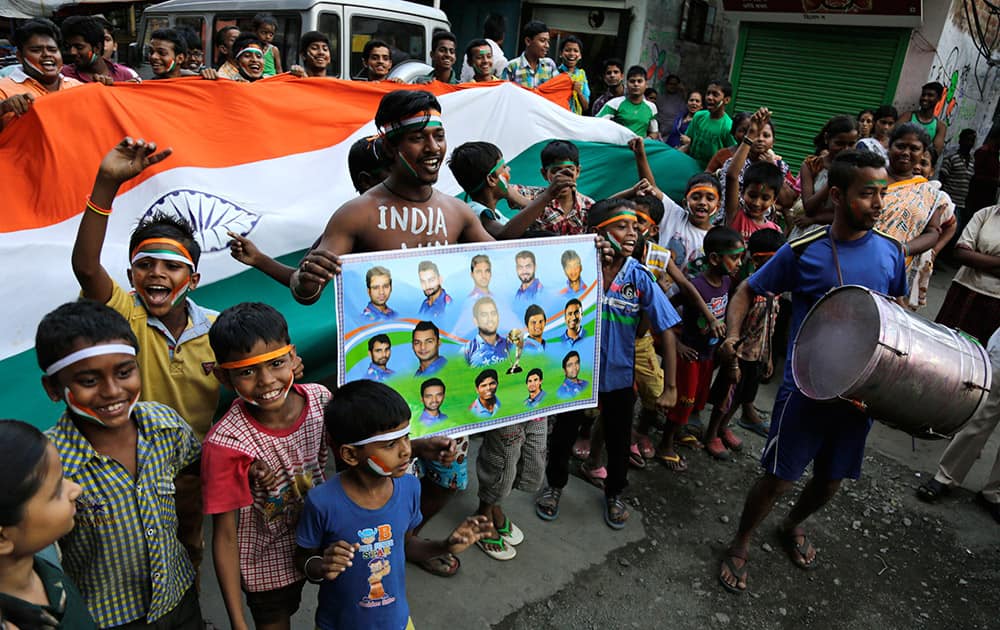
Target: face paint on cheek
(87, 413)
(179, 294)
(615, 245)
(173, 64)
(284, 394)
(408, 167)
(33, 66)
(378, 467)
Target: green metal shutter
(807, 74)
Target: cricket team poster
(475, 336)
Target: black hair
(612, 61)
(573, 302)
(239, 327)
(560, 151)
(425, 325)
(191, 38)
(719, 239)
(533, 310)
(907, 128)
(37, 26)
(73, 322)
(371, 45)
(967, 132)
(432, 382)
(23, 463)
(220, 35)
(738, 119)
(653, 204)
(933, 85)
(365, 156)
(534, 372)
(570, 355)
(634, 71)
(703, 178)
(379, 338)
(846, 165)
(672, 76)
(174, 37)
(479, 258)
(163, 225)
(261, 19)
(833, 127)
(885, 111)
(724, 85)
(533, 29)
(86, 27)
(473, 45)
(377, 270)
(471, 162)
(244, 40)
(933, 153)
(361, 409)
(650, 91)
(310, 38)
(400, 104)
(867, 111)
(525, 253)
(604, 209)
(494, 27)
(439, 35)
(766, 240)
(570, 39)
(764, 173)
(568, 256)
(485, 374)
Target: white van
(406, 26)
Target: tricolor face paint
(99, 383)
(387, 454)
(163, 274)
(265, 376)
(420, 144)
(41, 58)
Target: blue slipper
(761, 428)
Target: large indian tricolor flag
(267, 160)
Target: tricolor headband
(703, 189)
(86, 353)
(383, 437)
(182, 255)
(428, 118)
(628, 215)
(645, 217)
(256, 51)
(260, 358)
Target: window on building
(697, 21)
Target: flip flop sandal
(615, 513)
(691, 441)
(763, 414)
(732, 442)
(675, 463)
(645, 446)
(797, 551)
(717, 449)
(547, 504)
(595, 476)
(931, 491)
(581, 449)
(737, 572)
(504, 553)
(761, 428)
(635, 458)
(511, 533)
(434, 565)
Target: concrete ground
(576, 572)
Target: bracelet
(319, 289)
(747, 141)
(305, 569)
(96, 208)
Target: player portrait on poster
(475, 336)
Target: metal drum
(911, 374)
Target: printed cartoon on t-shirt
(376, 547)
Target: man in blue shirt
(830, 435)
(530, 285)
(534, 321)
(487, 347)
(436, 299)
(486, 404)
(574, 332)
(379, 351)
(572, 385)
(432, 395)
(481, 270)
(535, 392)
(379, 281)
(426, 346)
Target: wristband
(747, 141)
(305, 569)
(93, 207)
(319, 289)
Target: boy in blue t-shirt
(629, 293)
(830, 435)
(351, 526)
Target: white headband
(86, 353)
(162, 256)
(383, 437)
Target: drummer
(831, 435)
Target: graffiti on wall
(966, 78)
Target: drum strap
(836, 259)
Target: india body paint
(378, 467)
(89, 414)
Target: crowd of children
(138, 457)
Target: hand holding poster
(475, 336)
